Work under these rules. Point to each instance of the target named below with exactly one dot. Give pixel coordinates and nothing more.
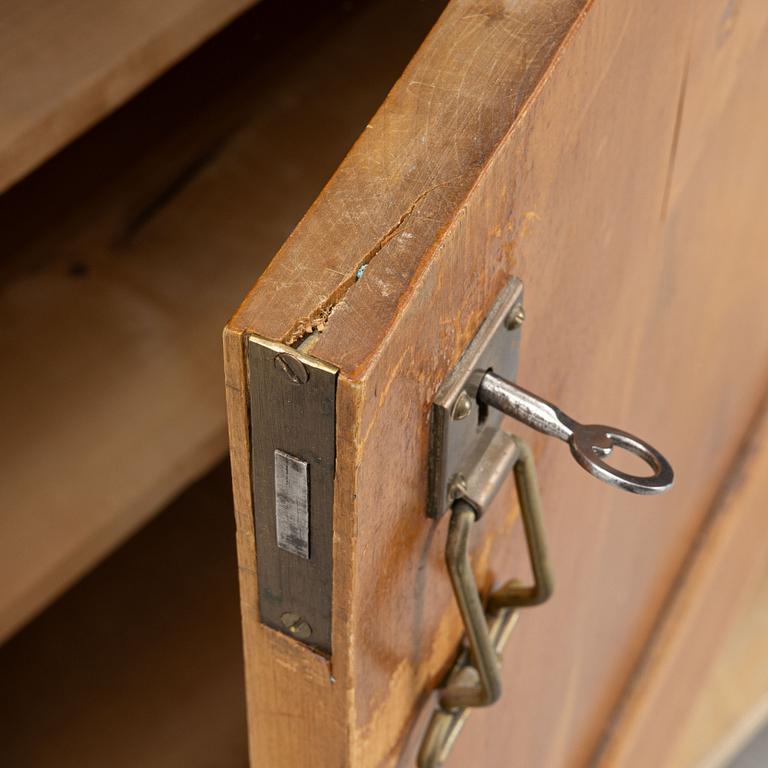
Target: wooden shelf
(65, 65)
(141, 663)
(128, 252)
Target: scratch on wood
(675, 136)
(317, 321)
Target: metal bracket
(461, 430)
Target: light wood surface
(140, 664)
(733, 704)
(704, 678)
(710, 621)
(65, 65)
(111, 313)
(516, 143)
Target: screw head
(515, 318)
(462, 407)
(457, 487)
(292, 367)
(296, 625)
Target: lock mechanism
(464, 432)
(470, 457)
(468, 408)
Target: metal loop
(475, 680)
(513, 594)
(487, 688)
(589, 441)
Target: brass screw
(462, 407)
(292, 367)
(515, 318)
(296, 625)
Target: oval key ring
(588, 442)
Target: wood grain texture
(110, 313)
(703, 616)
(733, 704)
(65, 65)
(537, 140)
(359, 212)
(140, 664)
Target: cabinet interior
(124, 255)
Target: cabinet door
(612, 156)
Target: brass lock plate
(457, 421)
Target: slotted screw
(292, 367)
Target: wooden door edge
(374, 198)
(359, 216)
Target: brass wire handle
(475, 680)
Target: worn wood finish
(64, 66)
(371, 197)
(703, 610)
(542, 141)
(110, 313)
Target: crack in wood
(318, 320)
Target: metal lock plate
(459, 424)
(293, 448)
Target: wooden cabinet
(544, 141)
(611, 155)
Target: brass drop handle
(475, 680)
